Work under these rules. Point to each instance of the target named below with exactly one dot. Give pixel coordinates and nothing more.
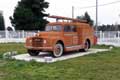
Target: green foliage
(87, 18)
(2, 25)
(29, 15)
(109, 27)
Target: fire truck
(63, 35)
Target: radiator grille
(37, 42)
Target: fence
(107, 38)
(15, 36)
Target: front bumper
(40, 48)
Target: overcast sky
(109, 14)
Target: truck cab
(60, 37)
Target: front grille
(37, 42)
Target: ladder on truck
(66, 18)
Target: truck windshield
(53, 28)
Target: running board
(76, 47)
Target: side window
(67, 28)
(73, 28)
(48, 28)
(57, 28)
(70, 29)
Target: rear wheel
(33, 52)
(87, 46)
(58, 50)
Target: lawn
(101, 66)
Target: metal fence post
(118, 34)
(100, 39)
(23, 33)
(118, 37)
(18, 33)
(6, 34)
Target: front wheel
(33, 52)
(58, 50)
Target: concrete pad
(47, 58)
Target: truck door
(75, 36)
(70, 36)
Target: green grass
(12, 47)
(101, 66)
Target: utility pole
(96, 15)
(72, 11)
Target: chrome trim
(70, 34)
(73, 46)
(44, 48)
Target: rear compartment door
(75, 39)
(68, 38)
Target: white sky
(107, 14)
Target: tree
(29, 15)
(2, 25)
(87, 18)
(108, 27)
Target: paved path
(45, 57)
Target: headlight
(44, 41)
(37, 34)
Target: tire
(33, 52)
(87, 46)
(58, 50)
